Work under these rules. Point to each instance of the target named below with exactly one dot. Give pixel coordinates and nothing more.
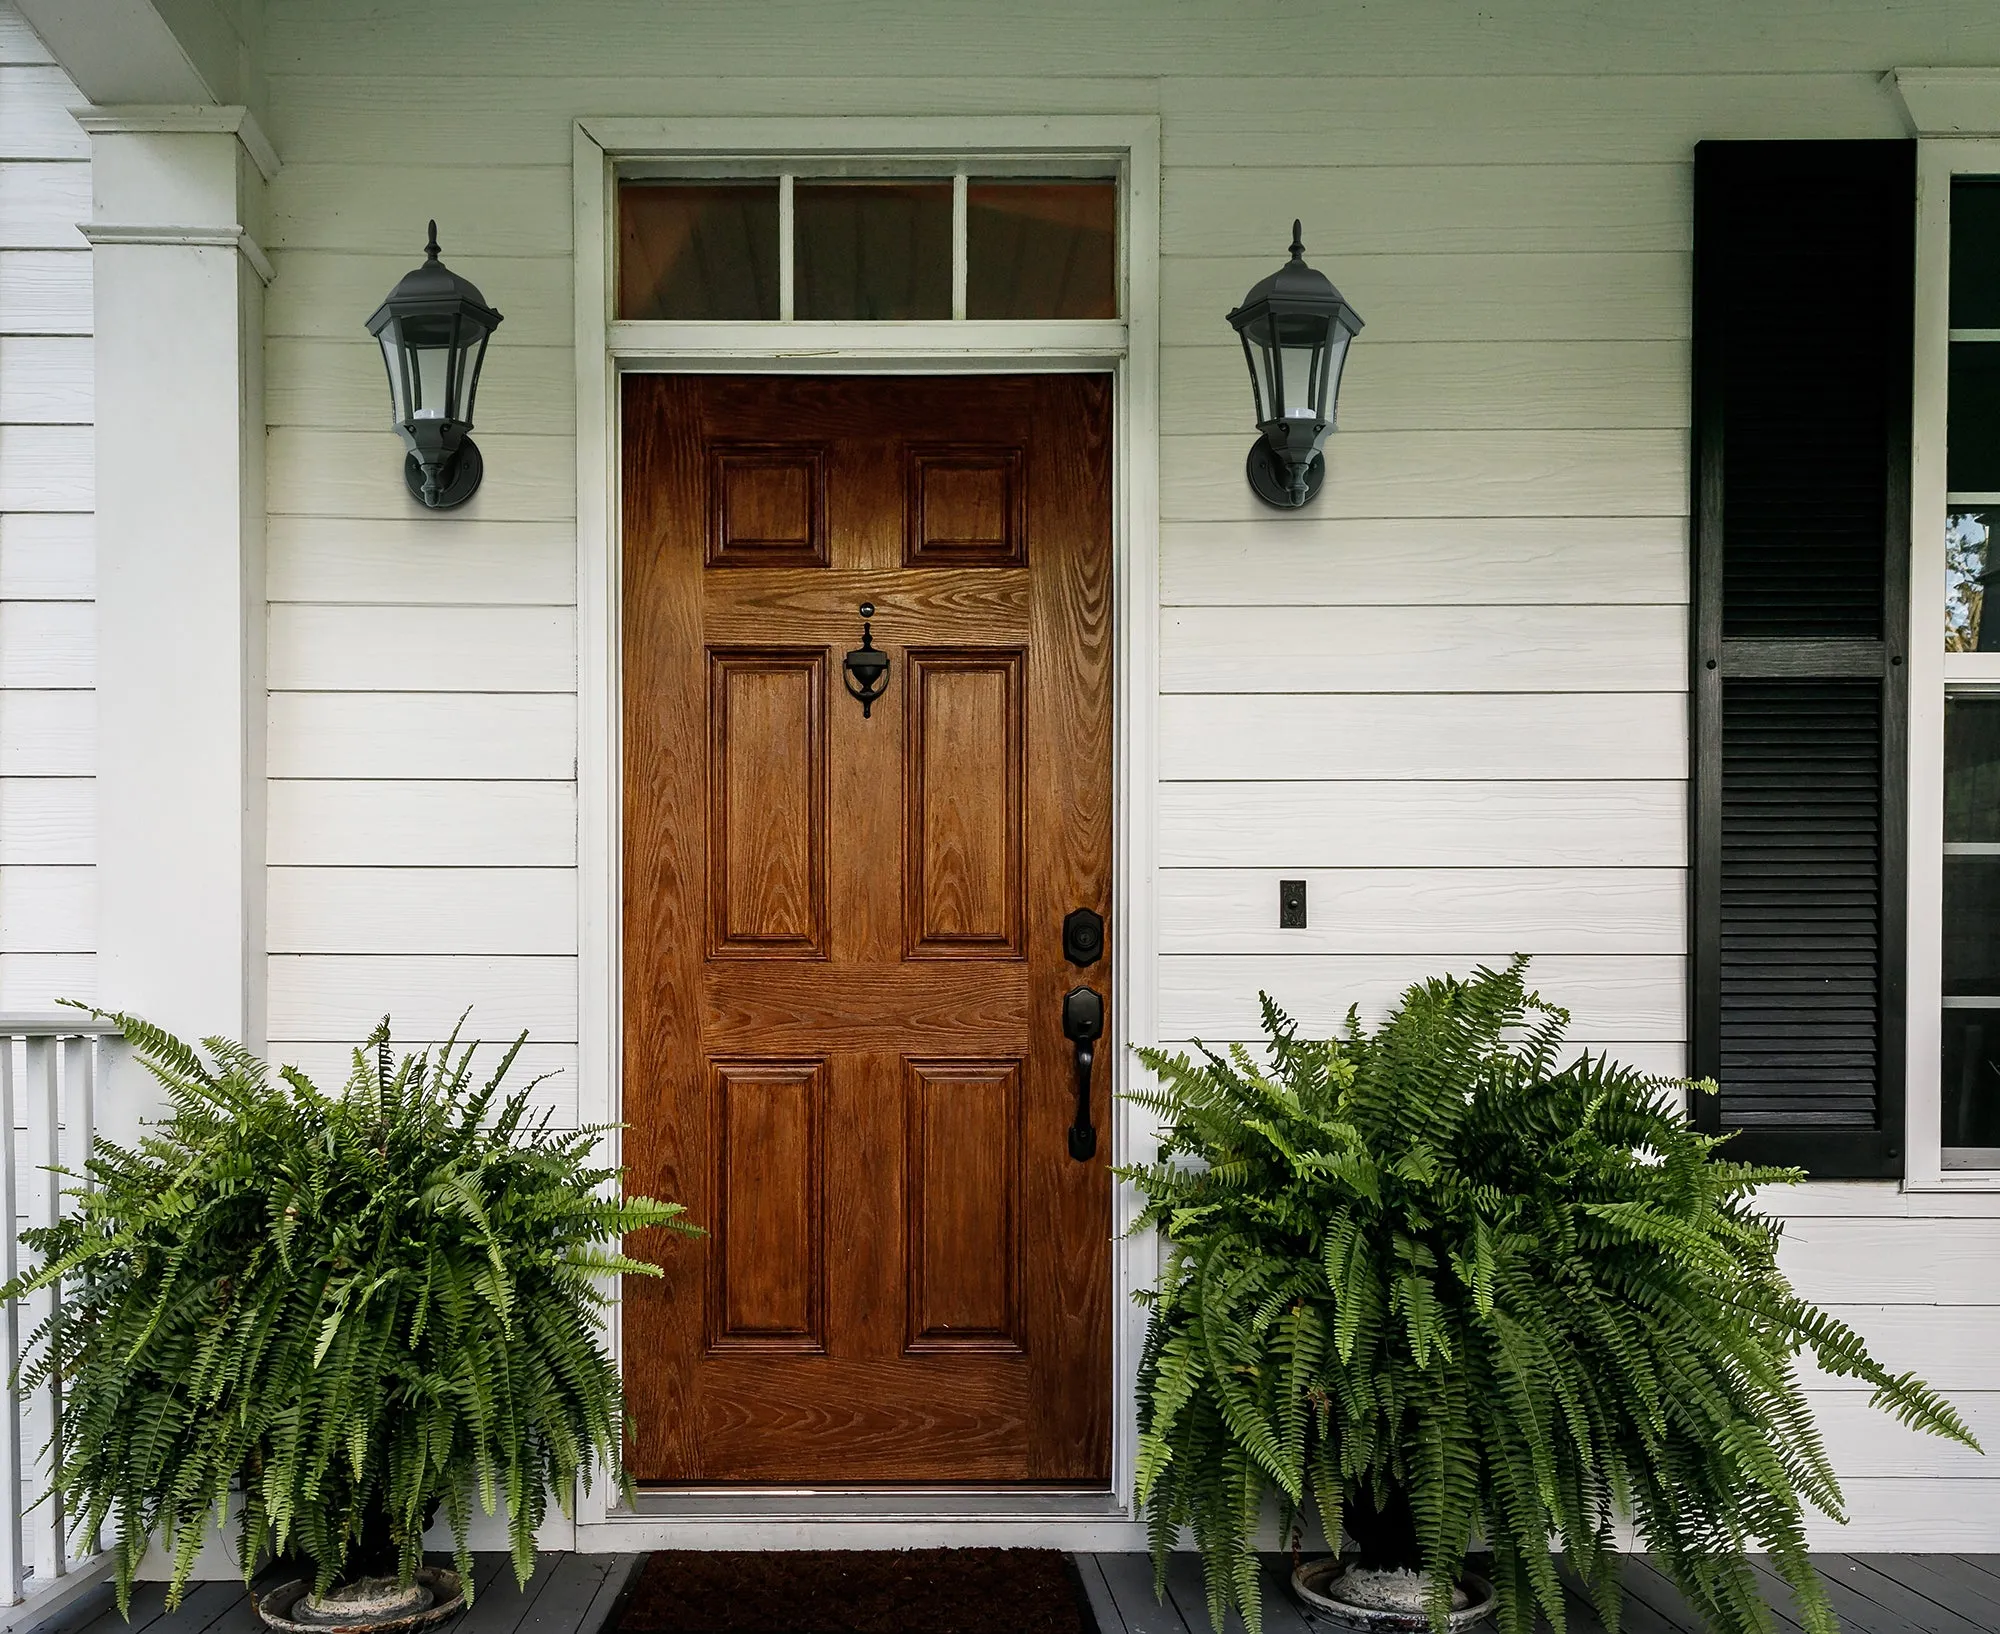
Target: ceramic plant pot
(1337, 1595)
(371, 1605)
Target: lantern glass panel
(427, 343)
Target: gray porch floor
(575, 1594)
(1871, 1594)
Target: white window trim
(1935, 97)
(1128, 145)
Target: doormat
(837, 1591)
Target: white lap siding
(1450, 695)
(48, 907)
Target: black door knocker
(866, 668)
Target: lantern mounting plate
(1271, 482)
(461, 480)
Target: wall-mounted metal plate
(1083, 936)
(1291, 904)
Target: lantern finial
(431, 249)
(1298, 241)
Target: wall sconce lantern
(1295, 327)
(433, 329)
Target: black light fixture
(1295, 327)
(433, 329)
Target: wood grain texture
(419, 823)
(48, 820)
(1633, 996)
(964, 1326)
(1490, 650)
(31, 983)
(316, 648)
(337, 998)
(48, 557)
(1425, 910)
(35, 121)
(47, 734)
(41, 203)
(1484, 561)
(420, 910)
(47, 468)
(50, 644)
(47, 908)
(415, 561)
(45, 379)
(1416, 825)
(45, 292)
(1423, 736)
(421, 735)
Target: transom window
(869, 249)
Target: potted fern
(347, 1312)
(1437, 1285)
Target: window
(868, 249)
(1802, 329)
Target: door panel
(843, 970)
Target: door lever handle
(1083, 1025)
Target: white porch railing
(50, 1069)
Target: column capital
(185, 119)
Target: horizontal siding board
(31, 983)
(325, 293)
(45, 379)
(47, 643)
(47, 468)
(19, 43)
(328, 1066)
(1206, 995)
(1950, 1346)
(419, 560)
(1514, 119)
(1423, 649)
(1870, 1261)
(1863, 1441)
(1418, 825)
(48, 820)
(1656, 1058)
(1427, 737)
(48, 557)
(1418, 385)
(421, 910)
(1444, 473)
(422, 735)
(1424, 910)
(495, 209)
(1581, 295)
(1402, 561)
(47, 909)
(315, 648)
(348, 823)
(48, 734)
(41, 203)
(1917, 1512)
(360, 474)
(341, 385)
(1425, 209)
(35, 122)
(338, 997)
(45, 292)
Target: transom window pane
(872, 250)
(1041, 249)
(698, 250)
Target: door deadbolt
(1083, 936)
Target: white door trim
(1129, 350)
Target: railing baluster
(10, 1260)
(80, 1089)
(44, 1099)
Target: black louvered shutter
(1802, 334)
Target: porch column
(176, 208)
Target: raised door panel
(962, 1187)
(768, 505)
(767, 804)
(767, 1260)
(964, 841)
(967, 507)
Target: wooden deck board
(1129, 1580)
(1945, 1579)
(1103, 1603)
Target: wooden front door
(844, 955)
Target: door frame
(1128, 350)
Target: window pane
(1975, 252)
(1971, 768)
(1971, 552)
(1041, 250)
(879, 250)
(698, 250)
(1972, 424)
(1971, 1077)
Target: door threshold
(874, 1504)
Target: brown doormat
(836, 1591)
